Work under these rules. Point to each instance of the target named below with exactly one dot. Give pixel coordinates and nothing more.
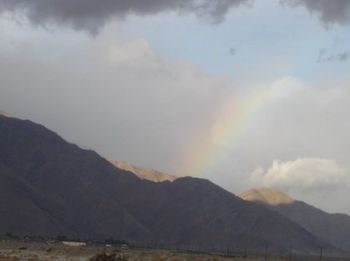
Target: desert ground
(18, 250)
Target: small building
(74, 243)
(124, 246)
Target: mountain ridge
(91, 199)
(144, 173)
(332, 228)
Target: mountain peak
(267, 196)
(144, 173)
(3, 113)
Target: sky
(246, 93)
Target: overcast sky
(245, 93)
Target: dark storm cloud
(329, 11)
(90, 15)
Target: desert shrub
(108, 257)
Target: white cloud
(301, 174)
(134, 53)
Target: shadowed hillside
(50, 187)
(332, 228)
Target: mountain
(49, 187)
(267, 196)
(332, 228)
(144, 173)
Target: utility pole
(321, 253)
(265, 257)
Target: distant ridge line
(144, 173)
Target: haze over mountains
(332, 228)
(49, 187)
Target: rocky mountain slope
(332, 228)
(50, 187)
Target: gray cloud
(91, 15)
(329, 11)
(122, 100)
(337, 57)
(233, 51)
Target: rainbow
(235, 115)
